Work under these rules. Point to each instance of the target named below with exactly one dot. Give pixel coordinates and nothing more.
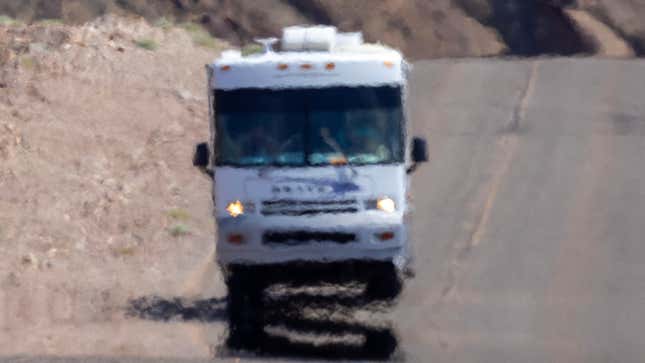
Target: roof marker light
(283, 66)
(389, 64)
(225, 68)
(306, 66)
(330, 66)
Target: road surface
(529, 230)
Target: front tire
(380, 344)
(245, 309)
(384, 283)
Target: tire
(384, 283)
(245, 309)
(380, 344)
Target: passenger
(258, 144)
(366, 136)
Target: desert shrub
(179, 230)
(164, 23)
(252, 49)
(147, 44)
(124, 251)
(50, 22)
(8, 21)
(200, 36)
(28, 62)
(179, 214)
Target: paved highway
(530, 226)
(529, 230)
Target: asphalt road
(530, 217)
(530, 220)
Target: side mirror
(419, 152)
(201, 158)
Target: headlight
(235, 208)
(385, 204)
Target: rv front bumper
(259, 240)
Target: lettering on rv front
(315, 186)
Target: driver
(258, 143)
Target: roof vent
(314, 38)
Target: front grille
(300, 237)
(291, 207)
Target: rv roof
(361, 65)
(362, 51)
(312, 57)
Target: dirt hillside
(421, 28)
(624, 16)
(99, 202)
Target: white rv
(310, 161)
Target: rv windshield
(339, 125)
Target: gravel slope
(421, 28)
(99, 201)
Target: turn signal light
(389, 64)
(385, 236)
(236, 238)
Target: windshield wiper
(324, 133)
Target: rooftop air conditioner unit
(314, 38)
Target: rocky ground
(421, 28)
(625, 17)
(99, 202)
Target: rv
(310, 158)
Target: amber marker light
(340, 160)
